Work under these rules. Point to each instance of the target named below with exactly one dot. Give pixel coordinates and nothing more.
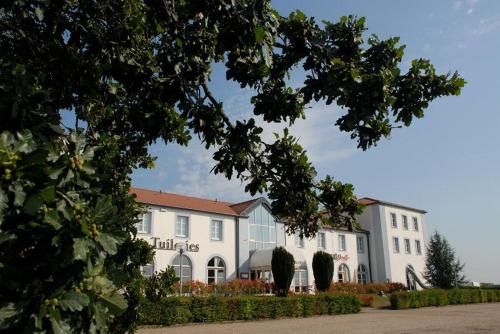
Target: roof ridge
(161, 192)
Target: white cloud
(487, 25)
(189, 168)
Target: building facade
(213, 241)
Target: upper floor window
(405, 222)
(360, 242)
(394, 220)
(415, 224)
(182, 226)
(418, 248)
(144, 223)
(216, 230)
(342, 244)
(321, 240)
(299, 241)
(262, 229)
(407, 246)
(395, 244)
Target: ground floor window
(183, 268)
(216, 270)
(343, 273)
(362, 274)
(410, 278)
(300, 280)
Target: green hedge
(181, 310)
(438, 297)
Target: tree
(323, 270)
(160, 285)
(132, 72)
(443, 269)
(283, 267)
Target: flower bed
(357, 288)
(439, 297)
(180, 310)
(228, 288)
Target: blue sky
(447, 163)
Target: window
(407, 246)
(182, 226)
(343, 273)
(299, 241)
(262, 229)
(395, 244)
(216, 230)
(144, 223)
(216, 270)
(418, 250)
(415, 224)
(405, 222)
(321, 240)
(360, 241)
(147, 270)
(394, 220)
(342, 245)
(362, 274)
(300, 280)
(183, 268)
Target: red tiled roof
(184, 202)
(240, 207)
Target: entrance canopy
(261, 259)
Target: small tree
(283, 266)
(443, 269)
(160, 285)
(323, 270)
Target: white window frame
(362, 274)
(342, 242)
(188, 226)
(418, 247)
(345, 271)
(407, 244)
(213, 223)
(416, 228)
(360, 244)
(219, 266)
(404, 218)
(140, 226)
(321, 240)
(395, 245)
(301, 277)
(394, 220)
(299, 241)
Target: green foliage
(133, 72)
(322, 265)
(443, 269)
(283, 267)
(178, 310)
(439, 297)
(161, 284)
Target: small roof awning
(261, 259)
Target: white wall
(163, 227)
(332, 247)
(399, 261)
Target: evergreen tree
(443, 269)
(283, 267)
(323, 270)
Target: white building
(224, 241)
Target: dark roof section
(371, 201)
(183, 202)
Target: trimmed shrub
(283, 267)
(180, 310)
(439, 297)
(322, 265)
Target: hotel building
(223, 241)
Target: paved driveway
(477, 318)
